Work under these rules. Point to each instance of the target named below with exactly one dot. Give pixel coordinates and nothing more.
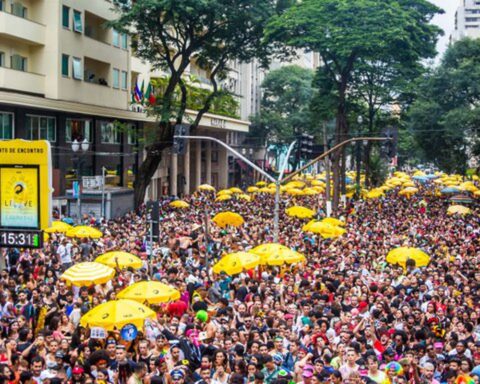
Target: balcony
(22, 81)
(95, 28)
(96, 72)
(21, 29)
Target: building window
(115, 38)
(124, 80)
(77, 21)
(110, 133)
(77, 129)
(116, 78)
(19, 10)
(65, 66)
(77, 68)
(131, 134)
(18, 62)
(124, 38)
(2, 59)
(41, 128)
(1, 5)
(66, 17)
(6, 126)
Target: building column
(186, 168)
(198, 163)
(222, 168)
(208, 163)
(173, 174)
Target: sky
(445, 21)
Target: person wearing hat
(77, 375)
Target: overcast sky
(446, 21)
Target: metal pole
(276, 219)
(207, 242)
(335, 148)
(359, 167)
(79, 200)
(328, 203)
(254, 166)
(102, 211)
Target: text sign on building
(92, 182)
(218, 123)
(25, 192)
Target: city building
(467, 20)
(65, 76)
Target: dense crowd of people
(344, 316)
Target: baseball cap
(77, 370)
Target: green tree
(285, 104)
(171, 35)
(345, 32)
(445, 118)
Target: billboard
(25, 184)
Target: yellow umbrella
(295, 184)
(235, 190)
(408, 191)
(252, 189)
(117, 313)
(333, 221)
(224, 192)
(179, 204)
(58, 227)
(300, 212)
(476, 193)
(235, 263)
(310, 191)
(86, 274)
(409, 184)
(402, 254)
(206, 187)
(223, 219)
(124, 260)
(261, 184)
(152, 292)
(374, 194)
(224, 197)
(458, 210)
(318, 183)
(294, 191)
(83, 231)
(277, 254)
(324, 229)
(242, 196)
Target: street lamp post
(79, 148)
(359, 159)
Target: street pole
(328, 203)
(277, 181)
(102, 211)
(359, 167)
(207, 242)
(79, 199)
(276, 219)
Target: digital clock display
(21, 238)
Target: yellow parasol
(224, 197)
(152, 292)
(117, 313)
(58, 227)
(277, 254)
(324, 229)
(409, 191)
(252, 189)
(261, 184)
(235, 190)
(245, 197)
(402, 254)
(224, 192)
(333, 221)
(86, 274)
(235, 263)
(83, 231)
(223, 219)
(206, 187)
(300, 212)
(458, 210)
(124, 260)
(179, 204)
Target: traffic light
(306, 145)
(153, 219)
(179, 144)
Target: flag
(149, 96)
(137, 94)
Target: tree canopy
(171, 35)
(445, 117)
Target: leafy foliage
(285, 105)
(445, 117)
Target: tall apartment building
(467, 20)
(65, 76)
